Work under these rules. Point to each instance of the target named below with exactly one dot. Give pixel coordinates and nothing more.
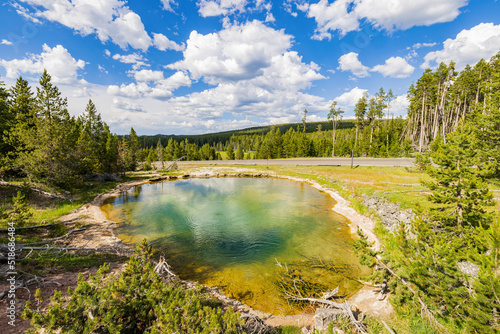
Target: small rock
(323, 317)
(110, 177)
(468, 268)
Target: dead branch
(23, 285)
(345, 307)
(330, 294)
(424, 308)
(163, 267)
(255, 325)
(4, 183)
(61, 250)
(55, 239)
(65, 222)
(387, 327)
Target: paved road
(390, 162)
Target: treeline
(370, 137)
(41, 141)
(443, 97)
(225, 136)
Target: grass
(36, 235)
(247, 155)
(69, 262)
(57, 211)
(289, 330)
(85, 194)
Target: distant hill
(216, 137)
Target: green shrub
(137, 300)
(146, 166)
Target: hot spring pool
(231, 232)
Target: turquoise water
(231, 232)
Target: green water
(230, 233)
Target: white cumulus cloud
(253, 72)
(227, 7)
(148, 75)
(150, 84)
(468, 47)
(126, 105)
(57, 61)
(136, 59)
(6, 42)
(331, 17)
(220, 7)
(343, 16)
(350, 62)
(175, 81)
(109, 20)
(167, 4)
(133, 90)
(270, 17)
(399, 106)
(350, 98)
(394, 67)
(402, 14)
(163, 43)
(235, 53)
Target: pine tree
(22, 106)
(7, 122)
(304, 118)
(137, 300)
(91, 144)
(360, 113)
(389, 97)
(459, 185)
(112, 154)
(488, 122)
(19, 213)
(334, 115)
(131, 148)
(239, 153)
(230, 152)
(159, 153)
(50, 145)
(484, 309)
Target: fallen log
(424, 308)
(44, 193)
(69, 221)
(345, 307)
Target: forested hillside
(214, 138)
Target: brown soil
(39, 201)
(50, 284)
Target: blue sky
(198, 66)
